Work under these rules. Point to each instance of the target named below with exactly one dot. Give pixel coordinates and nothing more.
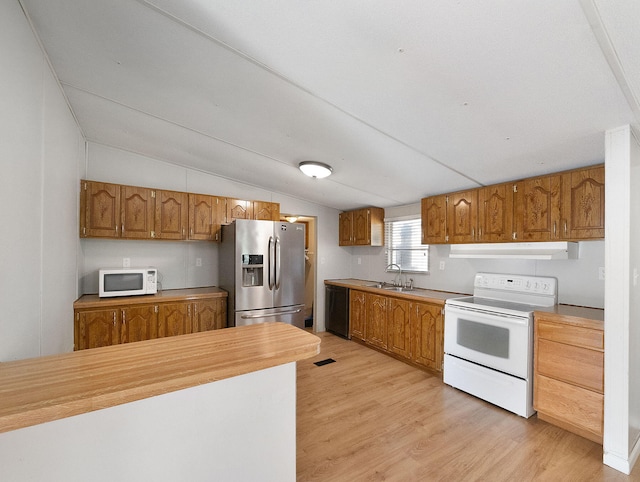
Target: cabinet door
(434, 218)
(537, 209)
(376, 324)
(206, 214)
(462, 216)
(362, 227)
(495, 213)
(97, 328)
(398, 335)
(137, 212)
(239, 209)
(99, 209)
(266, 211)
(138, 323)
(209, 315)
(171, 219)
(357, 314)
(174, 319)
(427, 335)
(583, 191)
(346, 229)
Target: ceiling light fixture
(315, 169)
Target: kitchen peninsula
(215, 404)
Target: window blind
(403, 239)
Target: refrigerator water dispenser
(252, 269)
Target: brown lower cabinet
(406, 329)
(569, 373)
(104, 322)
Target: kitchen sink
(397, 288)
(378, 285)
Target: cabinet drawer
(568, 403)
(579, 366)
(572, 335)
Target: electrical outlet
(198, 262)
(441, 265)
(601, 273)
(126, 262)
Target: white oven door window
(497, 341)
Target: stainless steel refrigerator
(262, 268)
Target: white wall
(176, 260)
(41, 155)
(622, 304)
(578, 281)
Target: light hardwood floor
(370, 417)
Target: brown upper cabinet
(266, 211)
(434, 220)
(239, 209)
(260, 210)
(462, 216)
(172, 215)
(563, 206)
(119, 211)
(137, 209)
(206, 215)
(99, 209)
(495, 213)
(538, 208)
(362, 227)
(583, 191)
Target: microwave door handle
(277, 262)
(270, 264)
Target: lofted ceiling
(404, 98)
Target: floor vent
(324, 362)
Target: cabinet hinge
(85, 186)
(446, 238)
(446, 199)
(155, 309)
(153, 234)
(84, 231)
(515, 188)
(514, 235)
(153, 194)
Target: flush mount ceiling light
(315, 169)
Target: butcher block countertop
(49, 388)
(417, 294)
(186, 294)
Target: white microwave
(127, 282)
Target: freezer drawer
(293, 315)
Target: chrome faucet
(397, 281)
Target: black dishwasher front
(336, 313)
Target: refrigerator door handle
(290, 312)
(277, 262)
(271, 264)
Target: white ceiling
(404, 98)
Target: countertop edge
(50, 388)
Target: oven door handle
(485, 314)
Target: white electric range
(488, 338)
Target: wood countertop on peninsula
(164, 296)
(44, 389)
